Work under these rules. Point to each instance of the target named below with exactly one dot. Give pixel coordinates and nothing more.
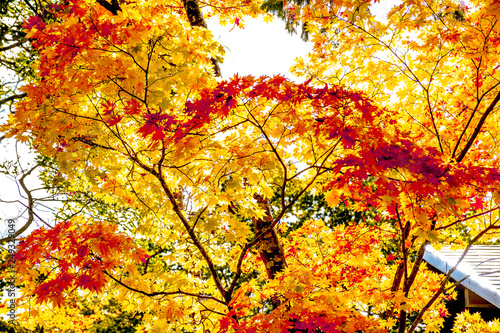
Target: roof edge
(474, 283)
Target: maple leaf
(400, 135)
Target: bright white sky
(259, 48)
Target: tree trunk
(269, 246)
(195, 18)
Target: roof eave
(472, 283)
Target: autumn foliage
(396, 117)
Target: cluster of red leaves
(428, 176)
(307, 296)
(73, 255)
(220, 101)
(78, 36)
(156, 125)
(109, 115)
(362, 129)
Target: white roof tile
(481, 266)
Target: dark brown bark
(195, 18)
(193, 12)
(416, 268)
(269, 247)
(401, 271)
(11, 98)
(113, 6)
(402, 321)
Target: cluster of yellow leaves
(467, 322)
(431, 61)
(435, 63)
(128, 106)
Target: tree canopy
(258, 204)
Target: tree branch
(113, 7)
(31, 204)
(195, 18)
(478, 128)
(162, 293)
(11, 46)
(11, 98)
(447, 278)
(175, 206)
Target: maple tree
(396, 123)
(16, 53)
